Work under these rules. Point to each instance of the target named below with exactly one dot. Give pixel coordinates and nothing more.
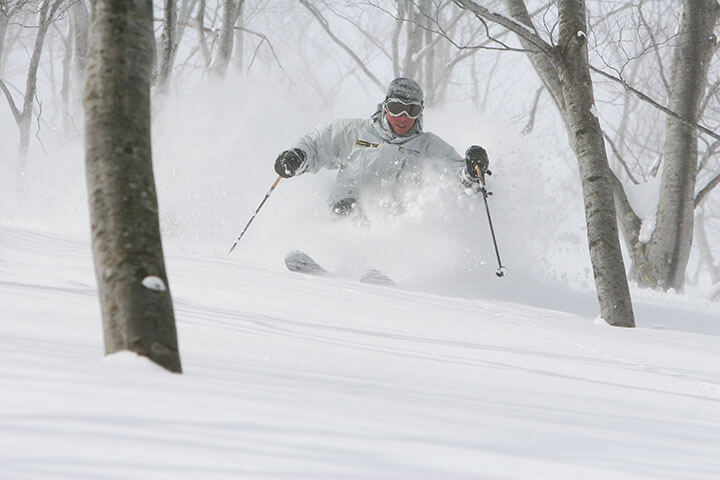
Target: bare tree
(74, 60)
(705, 250)
(137, 308)
(23, 115)
(418, 47)
(174, 23)
(80, 21)
(661, 262)
(168, 45)
(227, 35)
(202, 39)
(565, 72)
(239, 42)
(6, 12)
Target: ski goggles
(396, 107)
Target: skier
(377, 157)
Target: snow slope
(288, 376)
(453, 374)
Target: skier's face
(400, 124)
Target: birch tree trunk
(565, 72)
(202, 41)
(4, 19)
(135, 299)
(587, 142)
(79, 20)
(168, 45)
(227, 34)
(239, 45)
(7, 11)
(429, 70)
(415, 34)
(48, 10)
(663, 261)
(395, 41)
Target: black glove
(476, 155)
(344, 207)
(290, 163)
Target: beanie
(405, 89)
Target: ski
(375, 277)
(300, 262)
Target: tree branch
(703, 193)
(533, 111)
(654, 103)
(519, 29)
(11, 102)
(616, 152)
(378, 44)
(324, 24)
(630, 223)
(264, 39)
(654, 43)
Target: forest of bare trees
(632, 85)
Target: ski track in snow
(290, 376)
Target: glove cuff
(303, 160)
(468, 181)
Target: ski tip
(299, 261)
(376, 277)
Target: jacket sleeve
(449, 161)
(328, 144)
(444, 155)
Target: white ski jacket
(374, 164)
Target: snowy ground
(452, 374)
(287, 376)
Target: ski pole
(481, 176)
(267, 195)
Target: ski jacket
(375, 165)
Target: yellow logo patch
(363, 143)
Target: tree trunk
(135, 299)
(706, 255)
(168, 45)
(79, 19)
(587, 142)
(225, 49)
(239, 46)
(4, 19)
(202, 41)
(429, 60)
(184, 15)
(65, 89)
(6, 13)
(411, 68)
(664, 259)
(47, 13)
(565, 72)
(395, 42)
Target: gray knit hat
(405, 89)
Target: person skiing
(378, 156)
